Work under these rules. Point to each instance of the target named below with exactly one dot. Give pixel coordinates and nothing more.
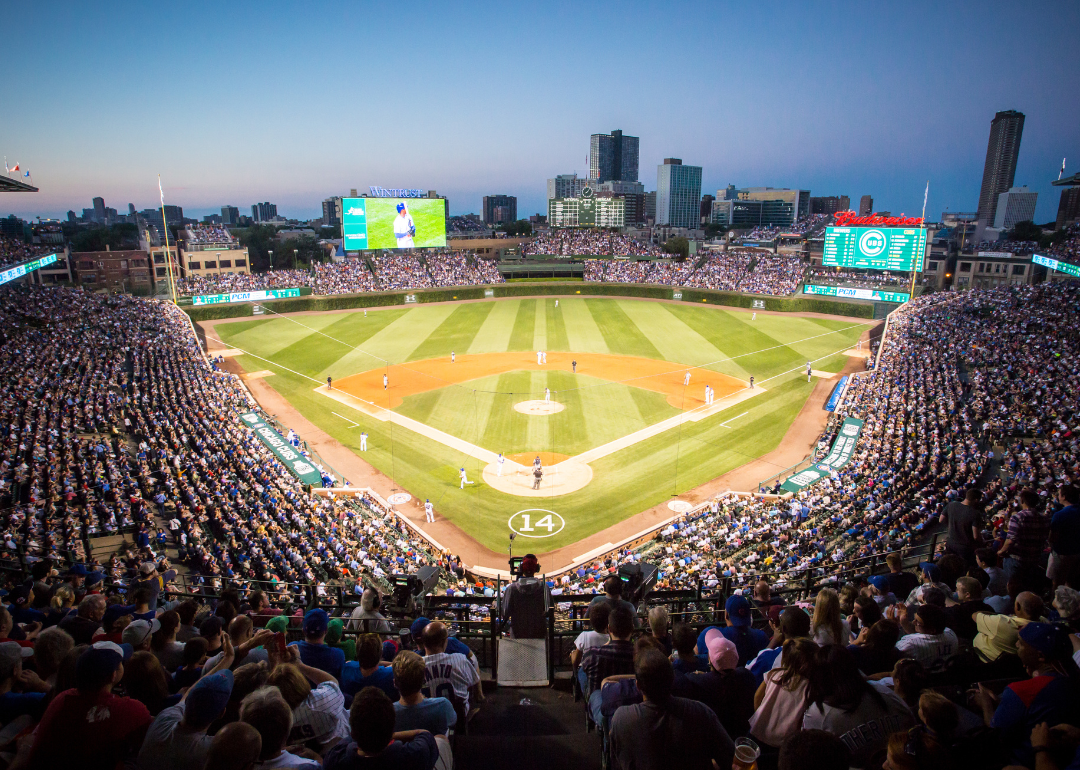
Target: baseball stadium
(693, 475)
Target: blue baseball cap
(1050, 639)
(737, 610)
(881, 583)
(931, 569)
(208, 697)
(418, 627)
(77, 569)
(316, 622)
(401, 207)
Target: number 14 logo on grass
(527, 524)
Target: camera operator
(526, 601)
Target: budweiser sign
(852, 219)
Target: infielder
(809, 371)
(499, 463)
(686, 379)
(329, 383)
(363, 441)
(404, 229)
(539, 358)
(464, 478)
(547, 395)
(751, 382)
(385, 381)
(453, 358)
(573, 366)
(429, 512)
(543, 355)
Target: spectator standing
(964, 521)
(1064, 535)
(365, 671)
(901, 583)
(1028, 533)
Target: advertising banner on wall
(839, 456)
(297, 464)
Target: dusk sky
(234, 103)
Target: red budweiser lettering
(852, 219)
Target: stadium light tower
(271, 253)
(295, 252)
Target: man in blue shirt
(414, 711)
(314, 651)
(365, 671)
(748, 641)
(1064, 535)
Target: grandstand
(125, 456)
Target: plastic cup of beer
(746, 754)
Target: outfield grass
(480, 411)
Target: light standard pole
(295, 252)
(271, 253)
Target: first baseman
(363, 441)
(404, 229)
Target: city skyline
(808, 101)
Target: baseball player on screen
(404, 229)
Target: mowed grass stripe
(396, 341)
(556, 329)
(674, 339)
(455, 333)
(317, 353)
(499, 424)
(494, 333)
(540, 339)
(582, 333)
(734, 334)
(610, 411)
(521, 338)
(272, 334)
(621, 334)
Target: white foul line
(724, 424)
(354, 424)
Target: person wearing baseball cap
(88, 726)
(748, 641)
(1048, 696)
(177, 739)
(726, 688)
(31, 700)
(21, 599)
(314, 651)
(137, 633)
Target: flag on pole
(1062, 168)
(13, 168)
(925, 196)
(161, 190)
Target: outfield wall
(792, 304)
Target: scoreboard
(900, 249)
(1056, 264)
(586, 211)
(27, 267)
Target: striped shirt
(1028, 531)
(448, 674)
(931, 650)
(321, 716)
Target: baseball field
(617, 412)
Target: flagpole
(911, 292)
(168, 253)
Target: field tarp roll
(297, 464)
(839, 456)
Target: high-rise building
(678, 194)
(331, 212)
(1017, 204)
(631, 192)
(99, 209)
(131, 209)
(650, 206)
(829, 204)
(866, 206)
(565, 186)
(613, 157)
(999, 170)
(264, 212)
(500, 209)
(1068, 207)
(230, 215)
(705, 210)
(779, 207)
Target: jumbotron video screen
(393, 223)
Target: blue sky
(234, 103)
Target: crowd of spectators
(202, 234)
(1067, 250)
(465, 225)
(734, 270)
(458, 268)
(762, 233)
(13, 251)
(400, 271)
(350, 276)
(572, 242)
(859, 279)
(226, 283)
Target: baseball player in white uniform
(363, 441)
(547, 395)
(543, 355)
(429, 511)
(809, 371)
(464, 478)
(753, 317)
(453, 358)
(539, 358)
(404, 229)
(385, 381)
(499, 463)
(686, 379)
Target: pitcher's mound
(538, 408)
